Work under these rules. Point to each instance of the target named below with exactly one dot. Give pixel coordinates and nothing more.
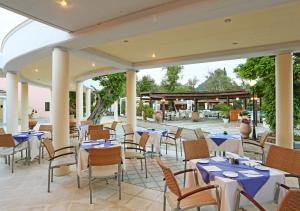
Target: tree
(112, 88)
(192, 82)
(218, 81)
(146, 84)
(262, 69)
(170, 81)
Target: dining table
(225, 142)
(233, 172)
(154, 137)
(32, 139)
(83, 157)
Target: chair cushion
(131, 154)
(196, 200)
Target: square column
(284, 100)
(60, 101)
(12, 102)
(131, 98)
(79, 102)
(24, 107)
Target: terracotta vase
(195, 116)
(245, 130)
(158, 117)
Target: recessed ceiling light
(93, 65)
(36, 70)
(63, 3)
(125, 40)
(153, 55)
(227, 20)
(235, 43)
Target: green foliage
(218, 81)
(262, 69)
(148, 111)
(140, 108)
(72, 103)
(224, 108)
(146, 84)
(170, 81)
(191, 84)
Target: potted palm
(225, 109)
(148, 112)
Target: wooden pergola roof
(242, 94)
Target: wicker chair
(171, 139)
(48, 129)
(58, 159)
(284, 159)
(113, 129)
(186, 198)
(10, 148)
(74, 131)
(128, 133)
(290, 202)
(258, 144)
(199, 133)
(99, 134)
(137, 151)
(104, 157)
(194, 149)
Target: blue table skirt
(220, 138)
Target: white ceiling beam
(103, 58)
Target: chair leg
(49, 172)
(12, 163)
(90, 186)
(141, 164)
(165, 200)
(122, 175)
(51, 175)
(166, 148)
(180, 147)
(146, 167)
(78, 181)
(184, 175)
(119, 181)
(237, 203)
(198, 208)
(176, 151)
(299, 182)
(8, 158)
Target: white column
(50, 113)
(88, 102)
(116, 117)
(24, 107)
(284, 100)
(131, 97)
(4, 110)
(79, 102)
(12, 102)
(60, 101)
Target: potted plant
(225, 109)
(158, 116)
(147, 112)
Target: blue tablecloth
(88, 145)
(251, 185)
(164, 132)
(23, 136)
(220, 138)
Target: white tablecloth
(230, 145)
(228, 188)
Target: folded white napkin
(114, 142)
(218, 159)
(211, 168)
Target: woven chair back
(47, 128)
(171, 181)
(143, 140)
(72, 124)
(195, 149)
(49, 147)
(99, 134)
(178, 132)
(291, 201)
(284, 159)
(127, 128)
(86, 122)
(105, 156)
(2, 131)
(264, 138)
(114, 125)
(6, 140)
(199, 133)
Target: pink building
(38, 96)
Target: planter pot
(245, 130)
(32, 123)
(296, 144)
(144, 116)
(195, 116)
(225, 120)
(158, 117)
(234, 114)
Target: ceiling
(40, 71)
(87, 13)
(269, 26)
